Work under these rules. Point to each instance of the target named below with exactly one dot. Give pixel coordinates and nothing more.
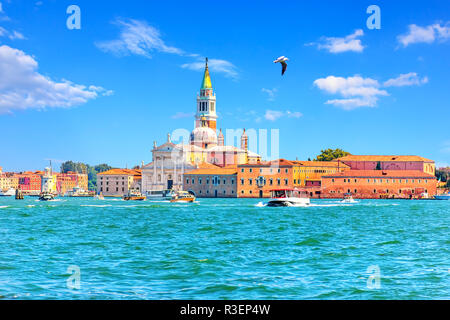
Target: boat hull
(134, 198)
(443, 197)
(185, 200)
(288, 202)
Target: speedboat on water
(444, 196)
(8, 193)
(288, 198)
(348, 198)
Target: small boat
(183, 196)
(348, 198)
(134, 195)
(160, 194)
(288, 198)
(444, 196)
(8, 193)
(46, 196)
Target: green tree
(331, 154)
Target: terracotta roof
(380, 174)
(383, 158)
(278, 162)
(213, 171)
(128, 172)
(320, 164)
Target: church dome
(204, 137)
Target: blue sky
(130, 75)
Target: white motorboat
(288, 198)
(348, 198)
(8, 193)
(444, 196)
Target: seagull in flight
(282, 60)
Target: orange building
(376, 184)
(256, 180)
(30, 182)
(67, 181)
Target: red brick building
(377, 162)
(376, 184)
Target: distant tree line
(443, 174)
(91, 171)
(331, 154)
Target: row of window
(261, 181)
(224, 192)
(107, 183)
(385, 180)
(214, 181)
(261, 170)
(107, 189)
(374, 191)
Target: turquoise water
(224, 249)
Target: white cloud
(216, 65)
(356, 91)
(23, 87)
(339, 45)
(408, 79)
(137, 37)
(270, 93)
(11, 35)
(427, 34)
(273, 115)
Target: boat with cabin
(78, 192)
(160, 194)
(183, 196)
(288, 198)
(134, 195)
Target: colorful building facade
(376, 184)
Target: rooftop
(320, 164)
(121, 172)
(383, 158)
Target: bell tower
(206, 103)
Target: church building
(206, 148)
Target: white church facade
(206, 148)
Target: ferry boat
(160, 194)
(444, 196)
(288, 198)
(183, 196)
(134, 195)
(8, 193)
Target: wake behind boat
(288, 198)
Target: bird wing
(283, 70)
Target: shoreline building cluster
(210, 168)
(30, 182)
